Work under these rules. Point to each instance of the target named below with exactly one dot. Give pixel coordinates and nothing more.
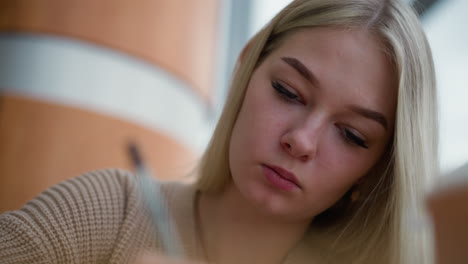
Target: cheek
(339, 157)
(246, 133)
(336, 170)
(339, 172)
(259, 123)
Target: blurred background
(79, 79)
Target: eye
(285, 92)
(352, 138)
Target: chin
(264, 199)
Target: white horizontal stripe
(83, 75)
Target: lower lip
(276, 180)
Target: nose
(302, 142)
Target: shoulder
(106, 183)
(105, 193)
(84, 212)
(81, 194)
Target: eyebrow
(370, 114)
(302, 70)
(308, 75)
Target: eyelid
(299, 98)
(286, 86)
(347, 129)
(355, 132)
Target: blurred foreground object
(449, 210)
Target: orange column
(44, 140)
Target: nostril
(287, 146)
(305, 157)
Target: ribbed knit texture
(97, 217)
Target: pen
(154, 199)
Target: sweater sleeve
(76, 221)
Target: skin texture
(306, 127)
(307, 136)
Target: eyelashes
(284, 92)
(353, 139)
(289, 96)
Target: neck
(234, 231)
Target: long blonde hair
(380, 227)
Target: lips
(284, 174)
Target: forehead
(351, 62)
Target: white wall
(263, 11)
(447, 30)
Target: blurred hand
(151, 258)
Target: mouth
(281, 177)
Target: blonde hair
(379, 228)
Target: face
(317, 116)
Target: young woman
(321, 155)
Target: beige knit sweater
(94, 218)
(98, 217)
